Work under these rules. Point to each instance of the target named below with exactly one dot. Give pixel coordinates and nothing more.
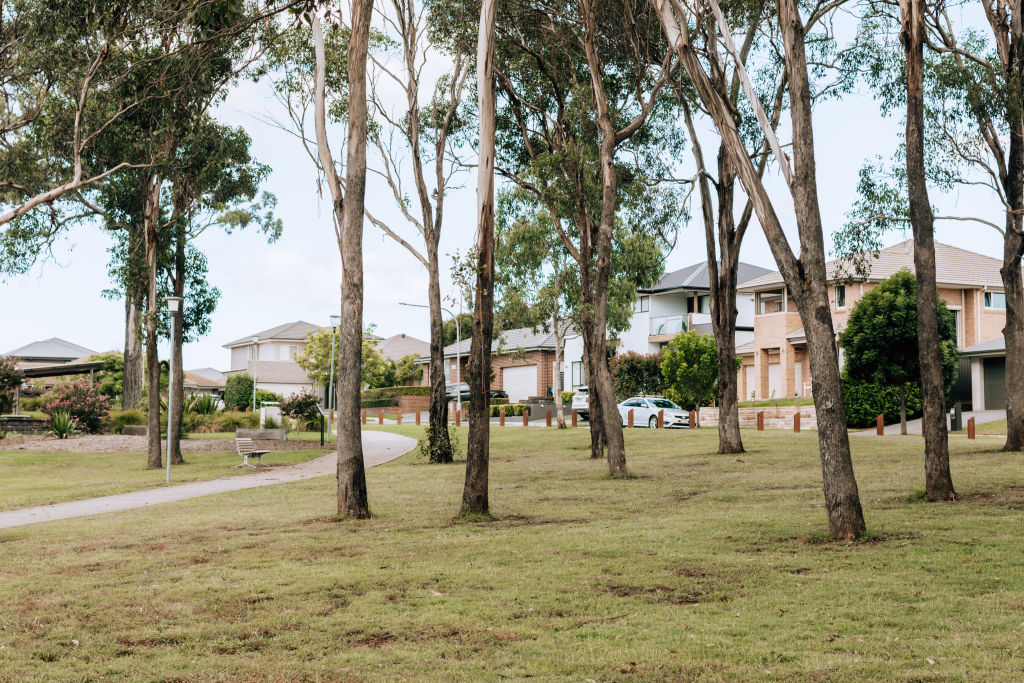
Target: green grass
(30, 478)
(772, 402)
(702, 567)
(230, 436)
(996, 427)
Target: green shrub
(230, 420)
(303, 407)
(866, 400)
(493, 402)
(31, 404)
(379, 403)
(196, 422)
(202, 404)
(81, 400)
(271, 423)
(264, 396)
(63, 424)
(511, 410)
(238, 392)
(392, 392)
(567, 396)
(424, 444)
(10, 379)
(117, 419)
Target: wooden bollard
(380, 416)
(630, 417)
(661, 419)
(362, 416)
(458, 417)
(796, 422)
(970, 428)
(574, 418)
(760, 420)
(417, 418)
(693, 419)
(548, 418)
(526, 417)
(501, 416)
(398, 417)
(880, 425)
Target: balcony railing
(668, 324)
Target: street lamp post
(255, 358)
(331, 398)
(458, 357)
(173, 307)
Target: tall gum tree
(804, 275)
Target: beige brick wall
(542, 359)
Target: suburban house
(196, 384)
(775, 361)
(399, 346)
(53, 351)
(269, 356)
(987, 367)
(680, 302)
(522, 362)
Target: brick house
(775, 363)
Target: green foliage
(315, 359)
(31, 404)
(864, 401)
(265, 396)
(378, 403)
(10, 379)
(567, 396)
(406, 369)
(635, 374)
(511, 410)
(880, 338)
(271, 423)
(63, 424)
(81, 400)
(690, 368)
(448, 329)
(110, 379)
(426, 449)
(392, 392)
(238, 392)
(118, 419)
(229, 421)
(303, 406)
(201, 404)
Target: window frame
(987, 301)
(645, 304)
(840, 306)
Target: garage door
(520, 382)
(995, 383)
(774, 381)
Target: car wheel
(653, 423)
(583, 416)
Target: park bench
(247, 450)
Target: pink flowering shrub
(81, 401)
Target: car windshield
(663, 403)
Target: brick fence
(19, 425)
(774, 417)
(413, 404)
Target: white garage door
(774, 381)
(750, 386)
(520, 382)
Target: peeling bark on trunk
(151, 231)
(805, 277)
(475, 492)
(440, 445)
(938, 480)
(1013, 245)
(348, 212)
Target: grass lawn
(30, 478)
(996, 427)
(702, 567)
(772, 402)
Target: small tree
(690, 369)
(637, 374)
(880, 338)
(238, 391)
(81, 400)
(406, 370)
(10, 379)
(302, 408)
(111, 378)
(315, 359)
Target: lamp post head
(174, 303)
(335, 320)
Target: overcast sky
(298, 277)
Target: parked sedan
(645, 412)
(451, 391)
(581, 403)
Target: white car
(645, 412)
(581, 403)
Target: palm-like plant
(63, 425)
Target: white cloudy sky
(297, 278)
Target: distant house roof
(209, 373)
(992, 347)
(953, 266)
(745, 349)
(696, 277)
(195, 381)
(401, 345)
(522, 339)
(53, 349)
(296, 331)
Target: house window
(770, 302)
(996, 300)
(578, 378)
(645, 304)
(840, 296)
(704, 304)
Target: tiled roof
(53, 348)
(200, 382)
(953, 266)
(696, 277)
(524, 338)
(993, 347)
(401, 345)
(744, 349)
(209, 373)
(296, 331)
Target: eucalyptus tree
(805, 274)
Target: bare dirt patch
(118, 443)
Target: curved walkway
(378, 448)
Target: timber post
(661, 419)
(574, 418)
(630, 417)
(796, 422)
(548, 418)
(693, 419)
(362, 415)
(970, 428)
(760, 420)
(880, 424)
(501, 416)
(380, 416)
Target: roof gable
(696, 276)
(294, 331)
(54, 347)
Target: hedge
(865, 400)
(511, 410)
(392, 392)
(567, 396)
(379, 403)
(493, 402)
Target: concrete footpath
(378, 448)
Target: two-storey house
(775, 362)
(269, 357)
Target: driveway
(378, 448)
(914, 426)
